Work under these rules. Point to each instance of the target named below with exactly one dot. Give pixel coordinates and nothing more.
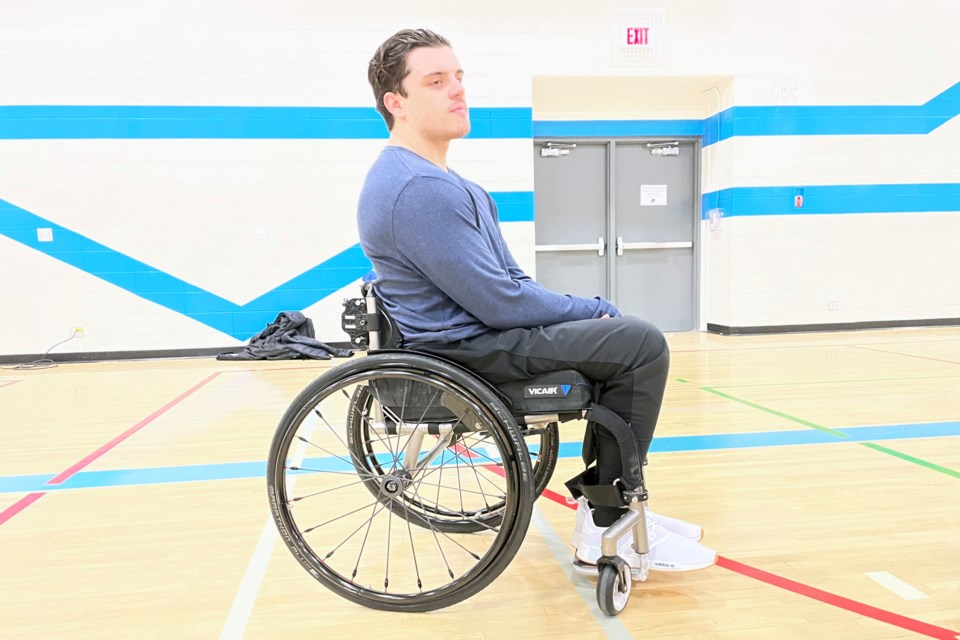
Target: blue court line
(55, 122)
(238, 321)
(667, 444)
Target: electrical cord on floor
(42, 362)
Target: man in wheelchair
(448, 280)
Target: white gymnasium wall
(237, 218)
(770, 268)
(896, 264)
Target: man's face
(435, 105)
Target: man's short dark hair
(388, 67)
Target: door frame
(611, 148)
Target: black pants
(627, 356)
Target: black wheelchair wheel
(344, 498)
(542, 444)
(613, 592)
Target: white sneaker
(668, 551)
(583, 510)
(673, 525)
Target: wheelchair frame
(437, 412)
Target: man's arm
(435, 229)
(519, 274)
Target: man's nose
(457, 89)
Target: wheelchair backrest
(366, 322)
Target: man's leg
(630, 359)
(627, 356)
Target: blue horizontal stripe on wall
(773, 121)
(357, 123)
(840, 120)
(834, 199)
(668, 444)
(238, 321)
(135, 122)
(514, 206)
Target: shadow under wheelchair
(403, 482)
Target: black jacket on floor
(288, 337)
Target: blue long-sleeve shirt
(444, 272)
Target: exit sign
(638, 36)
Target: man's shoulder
(397, 170)
(402, 165)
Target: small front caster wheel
(613, 592)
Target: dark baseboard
(150, 354)
(837, 326)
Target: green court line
(876, 447)
(908, 458)
(774, 412)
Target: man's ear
(395, 105)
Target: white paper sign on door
(653, 195)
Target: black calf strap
(630, 462)
(587, 484)
(599, 495)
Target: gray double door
(618, 219)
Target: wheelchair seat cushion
(554, 392)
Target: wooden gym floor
(825, 469)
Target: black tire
(543, 444)
(446, 579)
(544, 460)
(612, 592)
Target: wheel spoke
(424, 443)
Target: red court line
(882, 615)
(825, 597)
(19, 506)
(8, 383)
(64, 475)
(26, 501)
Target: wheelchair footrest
(591, 570)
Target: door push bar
(621, 245)
(599, 247)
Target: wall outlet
(833, 305)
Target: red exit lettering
(638, 36)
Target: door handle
(599, 247)
(621, 245)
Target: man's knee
(647, 341)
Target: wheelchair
(404, 482)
